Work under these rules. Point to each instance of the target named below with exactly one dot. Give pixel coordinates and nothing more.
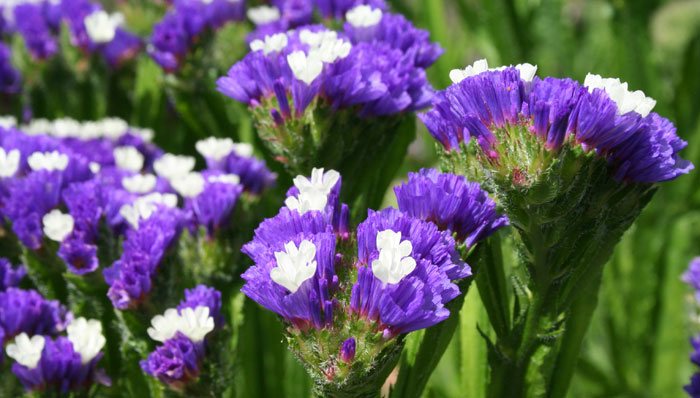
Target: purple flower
(74, 13)
(204, 296)
(294, 273)
(60, 368)
(405, 268)
(26, 311)
(10, 276)
(32, 25)
(175, 362)
(213, 207)
(640, 146)
(124, 47)
(452, 203)
(693, 388)
(10, 78)
(79, 255)
(337, 8)
(347, 350)
(692, 277)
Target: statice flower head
(32, 25)
(393, 274)
(60, 364)
(182, 332)
(27, 311)
(312, 73)
(452, 203)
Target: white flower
(113, 127)
(49, 161)
(102, 27)
(57, 225)
(8, 122)
(314, 39)
(527, 71)
(94, 167)
(128, 158)
(305, 68)
(171, 166)
(263, 15)
(626, 101)
(146, 134)
(90, 130)
(196, 323)
(479, 66)
(271, 44)
(294, 265)
(243, 150)
(364, 16)
(231, 179)
(38, 126)
(86, 337)
(215, 148)
(394, 261)
(144, 207)
(26, 351)
(66, 127)
(164, 327)
(313, 193)
(330, 50)
(189, 185)
(139, 183)
(193, 323)
(9, 163)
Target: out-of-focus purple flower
(294, 273)
(32, 25)
(26, 311)
(124, 47)
(204, 296)
(602, 115)
(10, 276)
(175, 362)
(10, 78)
(74, 13)
(336, 9)
(692, 277)
(693, 388)
(452, 203)
(213, 207)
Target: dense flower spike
(26, 311)
(391, 276)
(601, 115)
(182, 331)
(452, 203)
(10, 78)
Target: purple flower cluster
(62, 180)
(182, 26)
(10, 276)
(182, 331)
(405, 267)
(27, 311)
(600, 115)
(367, 66)
(692, 278)
(91, 29)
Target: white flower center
(215, 148)
(57, 225)
(26, 351)
(9, 163)
(189, 185)
(305, 68)
(314, 39)
(144, 207)
(86, 337)
(263, 15)
(128, 158)
(139, 183)
(172, 166)
(113, 127)
(49, 161)
(271, 44)
(65, 127)
(313, 193)
(231, 179)
(364, 16)
(294, 265)
(102, 27)
(194, 323)
(331, 50)
(394, 261)
(626, 101)
(94, 167)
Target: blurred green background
(637, 345)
